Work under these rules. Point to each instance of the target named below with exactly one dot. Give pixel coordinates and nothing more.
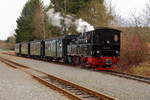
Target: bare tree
(147, 15)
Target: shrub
(133, 48)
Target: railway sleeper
(63, 86)
(72, 89)
(75, 90)
(80, 93)
(88, 96)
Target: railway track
(115, 73)
(130, 76)
(71, 90)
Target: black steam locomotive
(99, 48)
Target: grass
(142, 69)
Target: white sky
(10, 10)
(126, 7)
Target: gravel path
(16, 85)
(123, 89)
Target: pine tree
(38, 21)
(69, 6)
(96, 13)
(31, 24)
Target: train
(98, 49)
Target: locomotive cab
(106, 42)
(105, 47)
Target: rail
(69, 89)
(129, 76)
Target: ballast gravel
(121, 88)
(16, 85)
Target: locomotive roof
(104, 28)
(107, 28)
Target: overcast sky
(126, 7)
(10, 11)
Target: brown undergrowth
(142, 69)
(134, 54)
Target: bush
(133, 48)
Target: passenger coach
(56, 48)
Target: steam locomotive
(98, 49)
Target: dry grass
(142, 69)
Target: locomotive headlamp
(117, 52)
(108, 42)
(98, 51)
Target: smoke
(67, 21)
(83, 26)
(55, 18)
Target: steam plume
(56, 19)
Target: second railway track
(71, 90)
(129, 76)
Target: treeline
(8, 44)
(33, 23)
